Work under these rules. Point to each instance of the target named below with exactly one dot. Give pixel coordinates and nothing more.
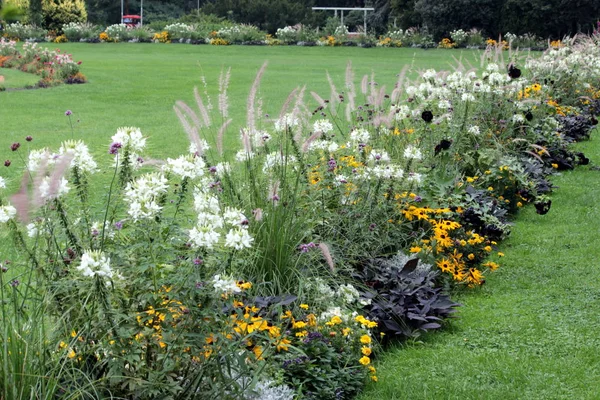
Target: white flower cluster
(325, 145)
(323, 126)
(203, 147)
(95, 263)
(225, 285)
(359, 136)
(2, 183)
(278, 159)
(212, 220)
(412, 153)
(7, 213)
(142, 196)
(186, 166)
(288, 121)
(378, 156)
(132, 140)
(50, 190)
(82, 159)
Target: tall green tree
(36, 16)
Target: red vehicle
(131, 20)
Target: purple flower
(15, 146)
(332, 165)
(15, 283)
(68, 112)
(3, 268)
(29, 138)
(114, 148)
(305, 248)
(198, 261)
(119, 225)
(7, 163)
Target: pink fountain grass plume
(287, 103)
(327, 256)
(203, 110)
(251, 104)
(220, 136)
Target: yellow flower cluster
(219, 42)
(446, 44)
(162, 37)
(388, 42)
(529, 91)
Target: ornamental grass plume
(327, 256)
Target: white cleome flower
(412, 153)
(379, 156)
(203, 147)
(186, 166)
(323, 126)
(95, 263)
(474, 130)
(130, 137)
(142, 195)
(7, 213)
(58, 188)
(2, 183)
(226, 285)
(204, 236)
(238, 239)
(81, 155)
(360, 135)
(288, 121)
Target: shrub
(76, 32)
(60, 12)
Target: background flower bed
(426, 153)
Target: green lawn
(531, 332)
(17, 79)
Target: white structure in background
(342, 9)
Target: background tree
(59, 12)
(36, 16)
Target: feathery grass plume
(220, 135)
(246, 141)
(399, 84)
(274, 191)
(296, 113)
(251, 106)
(203, 110)
(371, 98)
(333, 95)
(311, 139)
(58, 173)
(327, 256)
(319, 99)
(20, 200)
(223, 86)
(191, 113)
(287, 102)
(364, 85)
(380, 97)
(191, 131)
(351, 91)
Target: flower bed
(52, 66)
(280, 271)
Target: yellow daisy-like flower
(500, 254)
(301, 334)
(346, 331)
(304, 306)
(488, 248)
(374, 378)
(366, 351)
(72, 354)
(365, 360)
(365, 339)
(299, 325)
